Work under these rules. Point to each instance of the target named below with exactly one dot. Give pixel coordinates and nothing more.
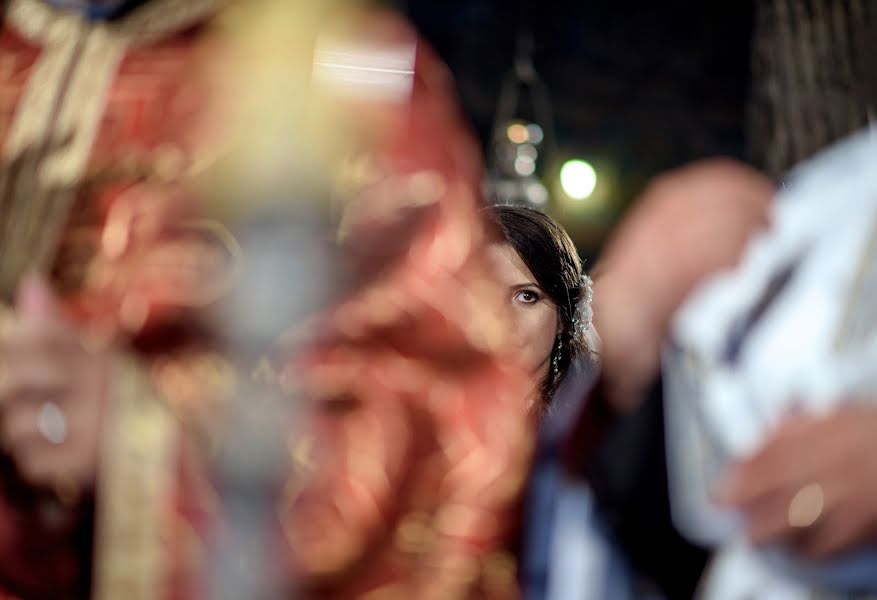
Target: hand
(687, 225)
(813, 485)
(52, 392)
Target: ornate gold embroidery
(134, 490)
(55, 127)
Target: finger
(32, 380)
(20, 427)
(45, 462)
(840, 529)
(38, 319)
(45, 465)
(37, 357)
(26, 339)
(795, 516)
(767, 520)
(8, 319)
(82, 416)
(35, 300)
(849, 518)
(834, 534)
(797, 454)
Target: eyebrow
(520, 286)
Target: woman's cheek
(536, 328)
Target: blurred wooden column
(814, 78)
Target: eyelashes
(527, 297)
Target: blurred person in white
(795, 326)
(612, 532)
(804, 488)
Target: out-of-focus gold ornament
(284, 133)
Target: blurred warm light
(578, 179)
(517, 133)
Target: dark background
(635, 87)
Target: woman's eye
(527, 297)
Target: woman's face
(533, 316)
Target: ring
(806, 506)
(52, 423)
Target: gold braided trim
(137, 476)
(85, 103)
(38, 208)
(34, 109)
(30, 131)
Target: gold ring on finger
(806, 506)
(52, 423)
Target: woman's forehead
(507, 266)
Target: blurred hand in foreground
(52, 392)
(812, 484)
(688, 224)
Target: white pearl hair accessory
(584, 313)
